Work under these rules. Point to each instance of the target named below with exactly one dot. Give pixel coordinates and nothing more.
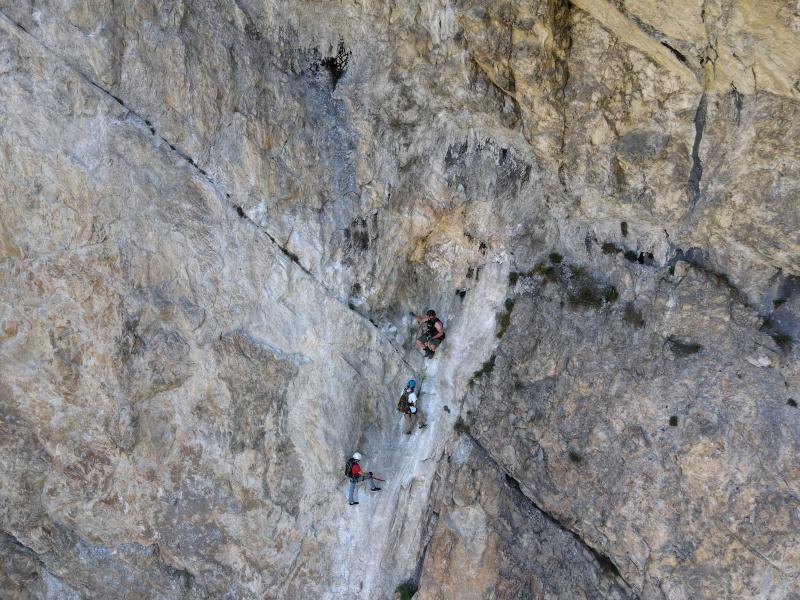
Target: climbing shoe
(351, 504)
(428, 353)
(375, 490)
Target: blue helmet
(412, 383)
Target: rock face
(216, 217)
(491, 541)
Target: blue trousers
(355, 480)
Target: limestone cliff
(217, 215)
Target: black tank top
(432, 328)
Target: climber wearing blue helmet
(409, 406)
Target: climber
(353, 471)
(408, 406)
(432, 334)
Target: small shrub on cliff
(587, 296)
(783, 341)
(486, 369)
(504, 318)
(549, 272)
(791, 402)
(673, 421)
(577, 271)
(555, 258)
(405, 591)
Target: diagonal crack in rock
(19, 30)
(605, 563)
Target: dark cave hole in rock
(682, 349)
(607, 565)
(461, 426)
(513, 483)
(676, 53)
(357, 234)
(633, 316)
(252, 32)
(337, 65)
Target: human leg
(406, 423)
(351, 491)
(421, 421)
(434, 344)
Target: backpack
(348, 469)
(402, 404)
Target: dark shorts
(427, 340)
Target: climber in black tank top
(432, 333)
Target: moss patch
(791, 402)
(778, 302)
(673, 421)
(555, 258)
(631, 256)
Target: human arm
(439, 330)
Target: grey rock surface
(215, 218)
(490, 541)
